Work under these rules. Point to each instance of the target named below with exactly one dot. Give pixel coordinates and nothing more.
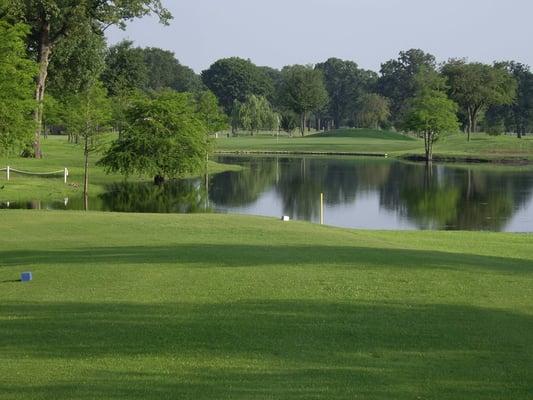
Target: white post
(7, 172)
(65, 175)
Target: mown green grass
(486, 147)
(227, 307)
(481, 147)
(58, 154)
(342, 141)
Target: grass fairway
(454, 147)
(341, 141)
(226, 307)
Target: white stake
(65, 175)
(7, 172)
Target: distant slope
(364, 133)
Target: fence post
(65, 175)
(7, 172)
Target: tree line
(58, 73)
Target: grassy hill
(373, 142)
(227, 307)
(341, 141)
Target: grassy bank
(58, 154)
(363, 141)
(342, 141)
(229, 307)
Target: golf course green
(481, 148)
(131, 306)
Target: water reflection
(360, 193)
(376, 193)
(187, 196)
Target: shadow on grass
(257, 255)
(273, 350)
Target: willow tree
(51, 21)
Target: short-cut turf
(228, 307)
(59, 154)
(454, 147)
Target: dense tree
(289, 121)
(51, 21)
(131, 68)
(161, 66)
(210, 111)
(303, 91)
(431, 113)
(165, 137)
(165, 71)
(125, 69)
(476, 86)
(233, 79)
(397, 80)
(256, 114)
(276, 79)
(78, 60)
(373, 110)
(16, 87)
(518, 116)
(345, 83)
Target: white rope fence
(9, 170)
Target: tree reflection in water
(436, 197)
(178, 196)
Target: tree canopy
(256, 114)
(234, 78)
(51, 21)
(397, 80)
(476, 86)
(16, 89)
(518, 116)
(303, 91)
(125, 69)
(430, 112)
(346, 83)
(165, 137)
(373, 110)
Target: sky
(369, 32)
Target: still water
(359, 193)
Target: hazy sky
(283, 32)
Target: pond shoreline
(406, 157)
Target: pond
(358, 193)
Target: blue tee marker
(26, 277)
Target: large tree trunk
(428, 144)
(520, 129)
(469, 127)
(302, 123)
(45, 50)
